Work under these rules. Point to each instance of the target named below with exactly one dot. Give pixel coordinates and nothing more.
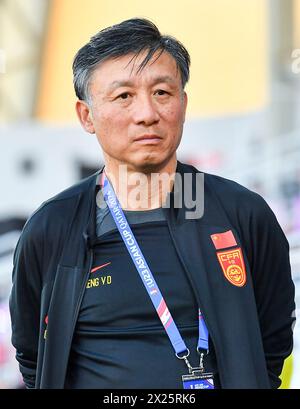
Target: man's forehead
(126, 71)
(153, 80)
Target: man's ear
(185, 101)
(85, 116)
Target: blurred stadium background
(243, 118)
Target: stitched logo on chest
(98, 281)
(98, 267)
(233, 266)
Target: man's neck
(138, 190)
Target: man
(217, 310)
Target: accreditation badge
(198, 380)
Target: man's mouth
(146, 139)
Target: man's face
(137, 117)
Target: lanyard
(148, 279)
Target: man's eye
(124, 95)
(161, 92)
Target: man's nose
(145, 110)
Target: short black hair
(130, 36)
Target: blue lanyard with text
(150, 283)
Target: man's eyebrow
(128, 83)
(164, 78)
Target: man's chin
(148, 166)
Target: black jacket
(250, 326)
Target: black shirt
(119, 341)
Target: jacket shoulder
(74, 190)
(240, 199)
(247, 210)
(55, 211)
(240, 203)
(231, 190)
(227, 190)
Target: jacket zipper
(81, 296)
(82, 289)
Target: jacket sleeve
(268, 251)
(24, 302)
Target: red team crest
(233, 266)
